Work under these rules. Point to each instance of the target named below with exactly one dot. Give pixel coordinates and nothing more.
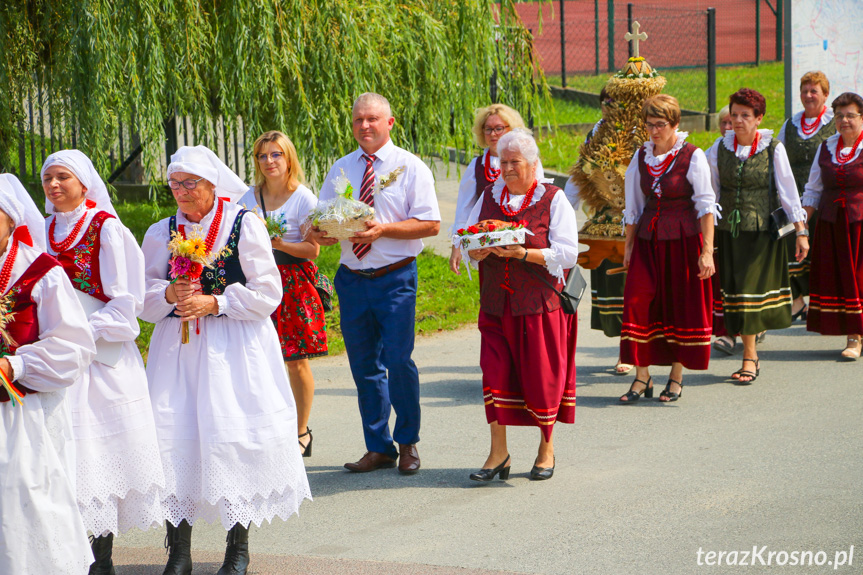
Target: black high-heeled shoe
(307, 448)
(667, 396)
(633, 396)
(543, 473)
(802, 313)
(488, 474)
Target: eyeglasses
(188, 184)
(275, 156)
(851, 116)
(657, 126)
(496, 130)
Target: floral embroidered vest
(24, 327)
(529, 295)
(672, 215)
(81, 263)
(479, 173)
(745, 185)
(226, 270)
(843, 187)
(801, 153)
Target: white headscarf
(202, 162)
(17, 203)
(79, 164)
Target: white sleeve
(156, 267)
(814, 187)
(307, 203)
(466, 197)
(572, 192)
(262, 293)
(634, 197)
(420, 193)
(473, 217)
(785, 185)
(121, 265)
(713, 162)
(562, 253)
(699, 176)
(781, 136)
(65, 347)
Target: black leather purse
(572, 292)
(779, 224)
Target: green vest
(744, 186)
(801, 153)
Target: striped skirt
(836, 300)
(606, 299)
(756, 290)
(667, 314)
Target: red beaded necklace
(73, 235)
(663, 166)
(6, 272)
(491, 174)
(505, 197)
(845, 158)
(214, 228)
(811, 129)
(754, 144)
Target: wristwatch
(803, 232)
(522, 259)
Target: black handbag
(572, 292)
(779, 224)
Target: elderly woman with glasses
(835, 189)
(752, 177)
(670, 210)
(527, 349)
(279, 195)
(225, 415)
(489, 126)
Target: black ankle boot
(237, 552)
(102, 548)
(178, 542)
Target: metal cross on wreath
(635, 37)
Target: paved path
(638, 489)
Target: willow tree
(293, 65)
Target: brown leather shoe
(409, 459)
(370, 462)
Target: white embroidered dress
(225, 414)
(41, 531)
(119, 470)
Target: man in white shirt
(377, 283)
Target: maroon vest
(479, 173)
(672, 215)
(843, 187)
(81, 263)
(529, 295)
(24, 327)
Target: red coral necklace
(6, 272)
(754, 144)
(845, 158)
(812, 128)
(70, 239)
(491, 174)
(505, 197)
(210, 241)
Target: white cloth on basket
(224, 410)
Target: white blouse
(814, 187)
(698, 175)
(467, 196)
(294, 210)
(796, 121)
(562, 253)
(782, 174)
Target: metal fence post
(711, 66)
(562, 43)
(170, 127)
(779, 38)
(757, 32)
(596, 32)
(629, 26)
(611, 35)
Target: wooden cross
(635, 36)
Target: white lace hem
(714, 209)
(118, 515)
(104, 475)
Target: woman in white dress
(119, 471)
(225, 415)
(299, 319)
(45, 348)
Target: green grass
(444, 300)
(564, 112)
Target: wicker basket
(343, 230)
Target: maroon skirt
(667, 309)
(528, 368)
(299, 319)
(718, 308)
(836, 278)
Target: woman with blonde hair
(489, 126)
(279, 194)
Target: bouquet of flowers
(276, 225)
(6, 343)
(189, 257)
(343, 216)
(489, 233)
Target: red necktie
(367, 196)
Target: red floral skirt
(836, 278)
(667, 309)
(299, 319)
(528, 368)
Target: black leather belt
(376, 273)
(284, 259)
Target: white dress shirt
(814, 187)
(411, 196)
